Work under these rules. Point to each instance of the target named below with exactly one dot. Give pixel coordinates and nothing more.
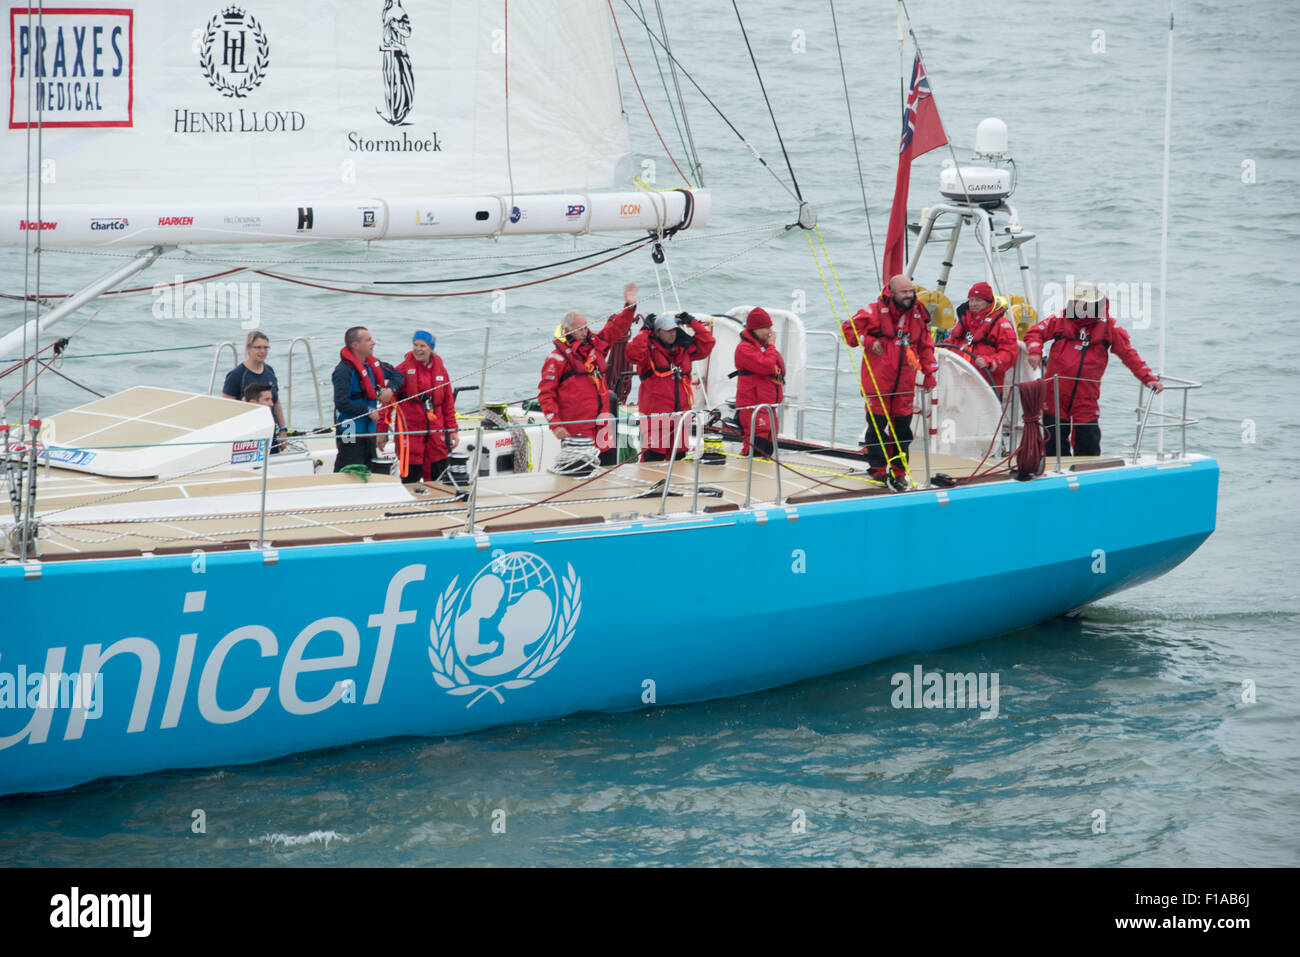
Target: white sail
(190, 121)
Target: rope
(684, 177)
(867, 365)
(857, 156)
(667, 96)
(767, 101)
(748, 146)
(441, 295)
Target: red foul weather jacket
(428, 407)
(574, 392)
(989, 335)
(761, 372)
(1081, 348)
(665, 373)
(894, 375)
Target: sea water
(1159, 728)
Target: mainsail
(345, 119)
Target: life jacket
(681, 379)
(1084, 337)
(593, 366)
(990, 321)
(901, 338)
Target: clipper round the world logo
(235, 52)
(399, 77)
(504, 630)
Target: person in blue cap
(428, 411)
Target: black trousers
(609, 457)
(762, 446)
(435, 470)
(650, 455)
(357, 452)
(1086, 439)
(878, 426)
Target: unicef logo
(504, 630)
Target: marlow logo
(399, 77)
(232, 64)
(507, 629)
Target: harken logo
(399, 77)
(235, 52)
(175, 220)
(504, 630)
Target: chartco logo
(235, 52)
(108, 222)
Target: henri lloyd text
(238, 121)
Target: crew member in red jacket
(428, 406)
(663, 360)
(761, 371)
(896, 345)
(1083, 336)
(987, 333)
(574, 391)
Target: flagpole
(947, 142)
(1164, 224)
(902, 111)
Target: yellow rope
(900, 456)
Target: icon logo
(506, 629)
(517, 214)
(235, 52)
(399, 77)
(305, 218)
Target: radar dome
(991, 138)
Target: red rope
(440, 295)
(123, 292)
(685, 179)
(1031, 458)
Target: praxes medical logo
(234, 57)
(72, 68)
(397, 71)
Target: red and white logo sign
(175, 220)
(71, 67)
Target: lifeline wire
(775, 126)
(875, 259)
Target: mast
(1164, 225)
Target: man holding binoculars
(663, 352)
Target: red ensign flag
(922, 132)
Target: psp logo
(575, 211)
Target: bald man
(894, 332)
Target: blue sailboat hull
(229, 657)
